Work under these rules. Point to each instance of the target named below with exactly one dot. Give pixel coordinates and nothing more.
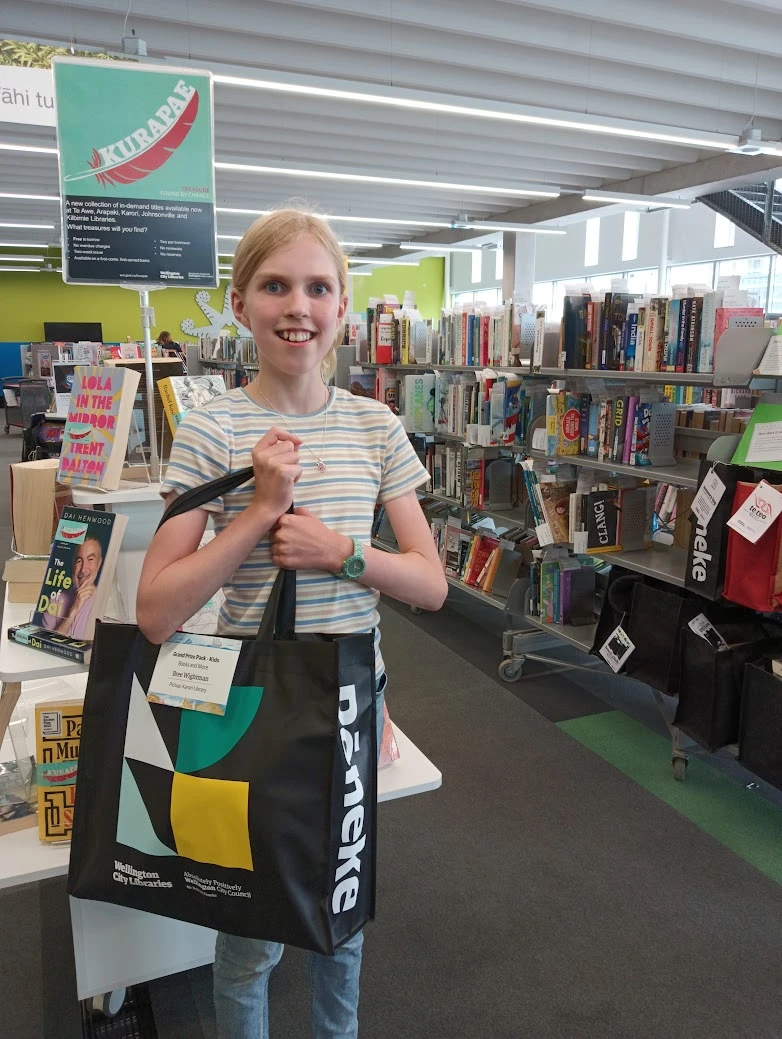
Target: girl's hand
(277, 468)
(303, 542)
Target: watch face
(354, 567)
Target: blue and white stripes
(368, 459)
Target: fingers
(275, 435)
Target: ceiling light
(31, 227)
(653, 201)
(231, 237)
(361, 274)
(383, 263)
(355, 219)
(30, 198)
(16, 270)
(21, 259)
(362, 178)
(6, 147)
(412, 247)
(362, 245)
(611, 128)
(515, 228)
(22, 245)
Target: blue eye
(320, 289)
(273, 287)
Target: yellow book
(169, 403)
(57, 741)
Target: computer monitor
(73, 331)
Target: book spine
(632, 406)
(585, 411)
(683, 333)
(40, 639)
(693, 334)
(592, 430)
(711, 301)
(605, 333)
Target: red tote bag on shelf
(753, 573)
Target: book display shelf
(741, 351)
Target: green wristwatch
(354, 566)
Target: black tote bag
(259, 823)
(711, 679)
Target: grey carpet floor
(538, 894)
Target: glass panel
(643, 282)
(754, 272)
(489, 296)
(775, 293)
(690, 274)
(543, 294)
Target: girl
(335, 456)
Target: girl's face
(292, 305)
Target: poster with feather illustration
(136, 152)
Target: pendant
(321, 467)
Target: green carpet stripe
(740, 819)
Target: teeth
(296, 337)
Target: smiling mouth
(296, 336)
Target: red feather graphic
(153, 158)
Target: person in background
(168, 348)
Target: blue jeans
(243, 966)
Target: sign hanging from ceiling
(136, 151)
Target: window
(632, 224)
(492, 297)
(643, 282)
(724, 232)
(690, 274)
(592, 242)
(477, 265)
(775, 289)
(498, 263)
(543, 293)
(753, 271)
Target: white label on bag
(195, 672)
(757, 513)
(708, 498)
(702, 626)
(617, 648)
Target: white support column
(518, 265)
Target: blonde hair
(276, 231)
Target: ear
(237, 305)
(343, 307)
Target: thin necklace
(321, 463)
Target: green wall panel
(427, 280)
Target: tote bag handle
(279, 617)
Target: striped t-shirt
(368, 459)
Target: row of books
(595, 516)
(562, 590)
(391, 332)
(718, 420)
(241, 349)
(671, 523)
(623, 332)
(478, 335)
(611, 430)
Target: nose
(298, 302)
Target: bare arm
(178, 577)
(414, 576)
